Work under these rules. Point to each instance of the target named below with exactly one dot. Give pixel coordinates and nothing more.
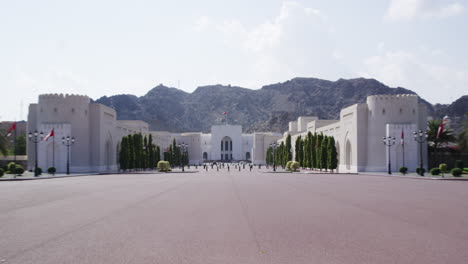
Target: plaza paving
(235, 217)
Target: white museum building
(358, 135)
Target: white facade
(224, 143)
(359, 133)
(98, 134)
(94, 126)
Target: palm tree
(3, 144)
(445, 137)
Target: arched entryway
(226, 148)
(205, 156)
(247, 156)
(348, 154)
(109, 156)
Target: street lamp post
(183, 148)
(35, 138)
(67, 141)
(274, 146)
(389, 142)
(420, 137)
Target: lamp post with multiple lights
(389, 142)
(68, 141)
(420, 137)
(35, 138)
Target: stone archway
(247, 156)
(205, 156)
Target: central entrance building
(224, 143)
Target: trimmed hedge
(39, 171)
(11, 168)
(459, 164)
(164, 166)
(51, 170)
(435, 171)
(19, 170)
(456, 172)
(419, 170)
(2, 172)
(403, 170)
(443, 167)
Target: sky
(99, 48)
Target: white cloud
(202, 24)
(433, 80)
(422, 9)
(296, 42)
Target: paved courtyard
(235, 217)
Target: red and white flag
(440, 130)
(51, 134)
(13, 127)
(402, 137)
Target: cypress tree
(323, 154)
(151, 153)
(313, 150)
(296, 148)
(301, 152)
(145, 157)
(332, 155)
(310, 156)
(306, 153)
(288, 148)
(131, 152)
(157, 155)
(318, 160)
(123, 154)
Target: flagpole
(53, 151)
(14, 145)
(403, 148)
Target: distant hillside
(267, 109)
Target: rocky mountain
(267, 109)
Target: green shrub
(420, 170)
(403, 170)
(443, 167)
(288, 165)
(39, 171)
(294, 166)
(2, 172)
(19, 170)
(435, 171)
(11, 167)
(51, 170)
(459, 164)
(164, 166)
(456, 172)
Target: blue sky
(112, 47)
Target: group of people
(228, 166)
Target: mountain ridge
(269, 108)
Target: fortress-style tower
(94, 126)
(359, 133)
(390, 115)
